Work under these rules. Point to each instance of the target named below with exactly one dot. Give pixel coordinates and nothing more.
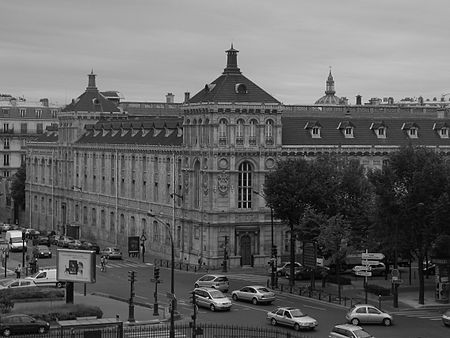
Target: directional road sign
(366, 262)
(363, 273)
(362, 268)
(372, 255)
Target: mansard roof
(232, 86)
(294, 133)
(139, 131)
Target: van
(14, 240)
(46, 277)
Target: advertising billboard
(75, 266)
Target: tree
(18, 186)
(411, 191)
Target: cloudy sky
(147, 48)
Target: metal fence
(182, 330)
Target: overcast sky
(147, 48)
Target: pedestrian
(200, 260)
(18, 270)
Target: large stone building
(105, 173)
(21, 121)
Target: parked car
(5, 227)
(21, 324)
(64, 241)
(43, 240)
(293, 317)
(75, 244)
(446, 318)
(16, 283)
(31, 233)
(85, 245)
(254, 293)
(212, 299)
(348, 331)
(55, 239)
(305, 273)
(377, 270)
(219, 282)
(111, 253)
(42, 251)
(46, 277)
(281, 270)
(364, 313)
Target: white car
(254, 293)
(212, 299)
(16, 283)
(369, 314)
(293, 317)
(219, 282)
(348, 331)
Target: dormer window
(314, 128)
(347, 128)
(240, 88)
(379, 128)
(412, 129)
(441, 129)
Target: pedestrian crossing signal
(156, 272)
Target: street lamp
(273, 249)
(172, 274)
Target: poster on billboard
(75, 266)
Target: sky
(148, 48)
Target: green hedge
(343, 280)
(378, 290)
(53, 313)
(32, 293)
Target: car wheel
(41, 329)
(387, 322)
(212, 307)
(273, 322)
(6, 332)
(296, 327)
(355, 321)
(195, 285)
(254, 301)
(235, 297)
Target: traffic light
(193, 298)
(156, 272)
(132, 276)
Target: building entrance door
(246, 250)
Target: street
(411, 323)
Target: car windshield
(217, 294)
(16, 240)
(362, 334)
(222, 279)
(297, 313)
(115, 250)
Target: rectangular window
(348, 131)
(23, 112)
(315, 131)
(38, 113)
(23, 128)
(6, 127)
(380, 131)
(6, 143)
(6, 159)
(155, 193)
(39, 128)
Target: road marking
(249, 307)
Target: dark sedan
(21, 323)
(85, 245)
(42, 251)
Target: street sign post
(372, 255)
(366, 262)
(362, 268)
(363, 273)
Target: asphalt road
(408, 324)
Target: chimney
(187, 96)
(391, 100)
(169, 98)
(358, 100)
(44, 102)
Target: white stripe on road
(314, 307)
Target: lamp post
(273, 250)
(172, 274)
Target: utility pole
(156, 280)
(225, 255)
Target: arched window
(269, 132)
(195, 133)
(245, 186)
(240, 132)
(156, 232)
(197, 188)
(206, 132)
(222, 132)
(122, 223)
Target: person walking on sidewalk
(18, 270)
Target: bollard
(379, 302)
(320, 295)
(345, 301)
(329, 298)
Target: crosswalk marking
(419, 313)
(125, 265)
(257, 279)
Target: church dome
(329, 98)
